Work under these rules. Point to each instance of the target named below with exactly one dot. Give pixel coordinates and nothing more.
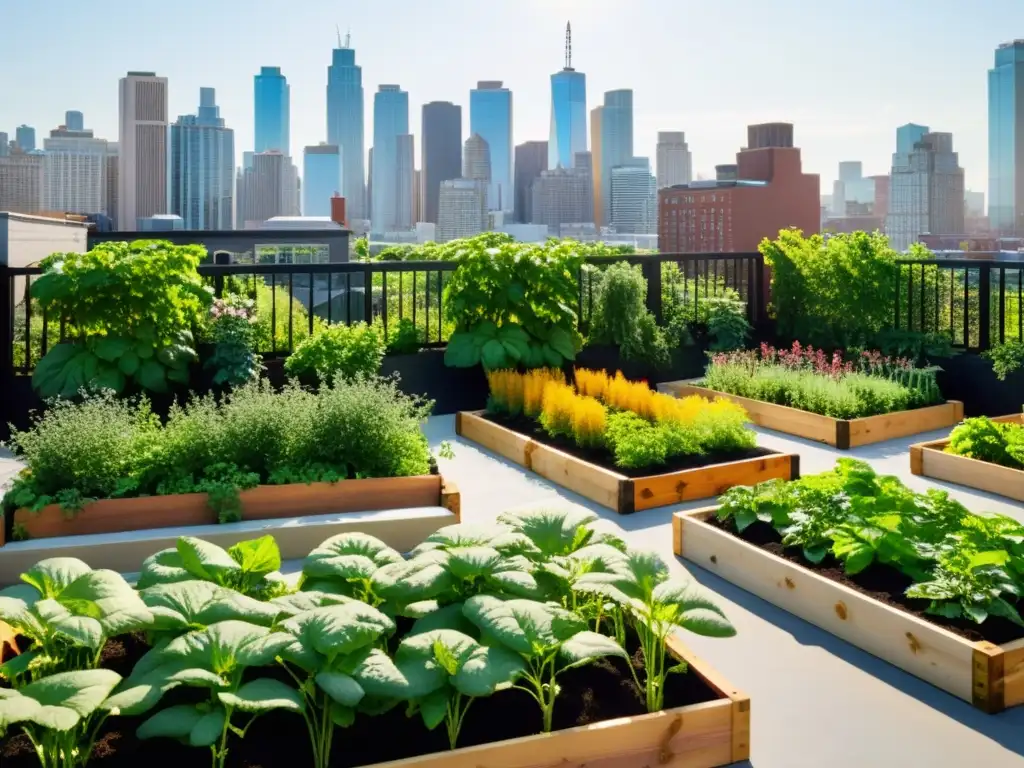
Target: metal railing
(977, 304)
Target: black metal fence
(977, 304)
(404, 297)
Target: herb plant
(234, 360)
(620, 317)
(986, 440)
(1006, 358)
(349, 351)
(249, 567)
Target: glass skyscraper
(273, 111)
(568, 117)
(390, 120)
(616, 143)
(202, 167)
(1006, 140)
(321, 179)
(441, 152)
(490, 117)
(345, 126)
(908, 135)
(25, 136)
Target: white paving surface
(816, 701)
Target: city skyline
(837, 117)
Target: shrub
(987, 440)
(558, 403)
(727, 322)
(513, 393)
(620, 317)
(234, 360)
(1006, 358)
(272, 325)
(347, 350)
(404, 338)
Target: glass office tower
(272, 111)
(490, 117)
(1006, 140)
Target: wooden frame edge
(988, 678)
(451, 498)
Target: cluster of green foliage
(513, 304)
(1006, 358)
(511, 605)
(349, 351)
(728, 326)
(234, 360)
(130, 309)
(638, 443)
(987, 440)
(104, 447)
(620, 316)
(273, 326)
(966, 566)
(833, 292)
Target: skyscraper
(531, 161)
(272, 99)
(568, 111)
(203, 167)
(267, 188)
(390, 120)
(1006, 140)
(908, 135)
(616, 142)
(5, 145)
(476, 160)
(75, 172)
(490, 116)
(21, 182)
(462, 209)
(25, 136)
(113, 172)
(405, 182)
(345, 127)
(74, 120)
(321, 179)
(675, 164)
(634, 198)
(441, 152)
(564, 195)
(596, 124)
(142, 173)
(926, 192)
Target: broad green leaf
(523, 626)
(19, 665)
(517, 583)
(434, 707)
(380, 678)
(229, 645)
(205, 560)
(258, 556)
(692, 608)
(488, 669)
(83, 631)
(106, 596)
(469, 563)
(208, 729)
(341, 715)
(263, 695)
(421, 578)
(174, 722)
(553, 531)
(993, 557)
(110, 348)
(341, 688)
(299, 602)
(858, 559)
(57, 702)
(53, 575)
(561, 341)
(163, 567)
(129, 362)
(446, 617)
(338, 630)
(349, 556)
(493, 355)
(108, 376)
(462, 350)
(152, 375)
(196, 604)
(584, 647)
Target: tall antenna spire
(568, 45)
(338, 30)
(348, 38)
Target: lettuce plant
(548, 639)
(60, 714)
(659, 605)
(67, 611)
(345, 564)
(249, 567)
(457, 669)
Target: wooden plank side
(1013, 674)
(983, 475)
(889, 426)
(708, 482)
(920, 648)
(451, 499)
(494, 437)
(699, 736)
(781, 418)
(589, 480)
(116, 515)
(274, 502)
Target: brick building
(770, 192)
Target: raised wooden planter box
(989, 676)
(707, 735)
(265, 502)
(614, 490)
(839, 433)
(931, 460)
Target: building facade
(21, 182)
(25, 137)
(74, 120)
(203, 167)
(633, 198)
(113, 180)
(267, 187)
(345, 126)
(770, 192)
(490, 116)
(476, 160)
(405, 183)
(531, 161)
(908, 135)
(390, 120)
(75, 172)
(770, 136)
(440, 152)
(1006, 140)
(926, 192)
(142, 142)
(568, 112)
(596, 125)
(272, 111)
(616, 145)
(5, 144)
(321, 178)
(674, 161)
(462, 209)
(564, 197)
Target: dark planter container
(687, 363)
(969, 378)
(451, 389)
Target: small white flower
(492, 251)
(58, 267)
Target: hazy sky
(845, 73)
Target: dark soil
(604, 458)
(601, 691)
(881, 582)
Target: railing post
(221, 259)
(651, 267)
(763, 288)
(6, 344)
(984, 306)
(368, 290)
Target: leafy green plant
(234, 360)
(512, 304)
(727, 321)
(548, 639)
(67, 611)
(130, 310)
(986, 440)
(405, 338)
(60, 714)
(345, 565)
(249, 567)
(350, 351)
(620, 316)
(1006, 358)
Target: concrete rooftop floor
(816, 701)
